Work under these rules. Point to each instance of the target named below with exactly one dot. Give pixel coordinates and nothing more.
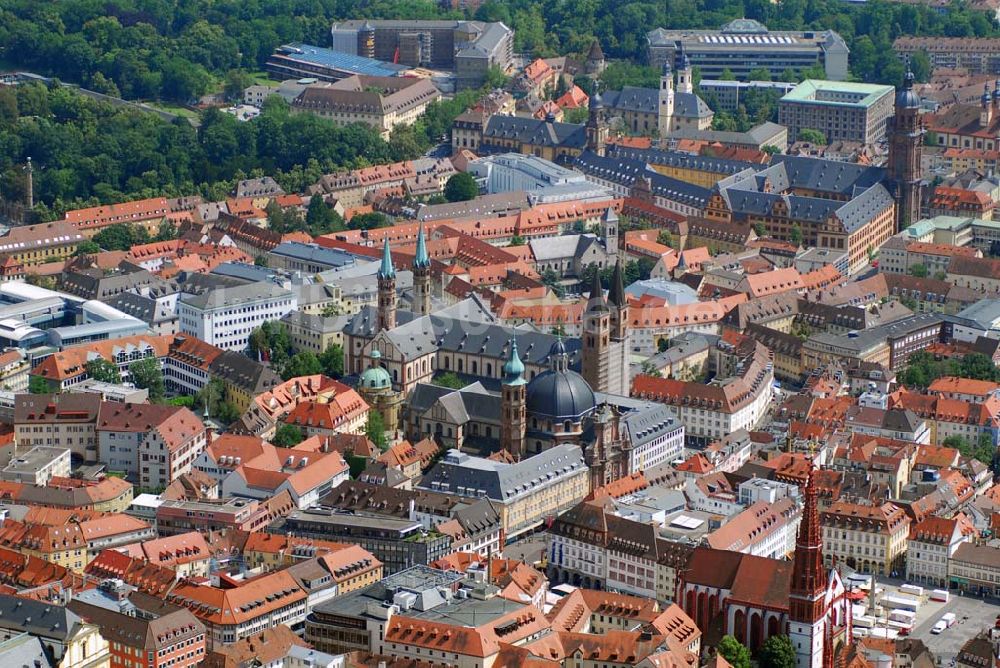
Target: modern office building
(470, 48)
(842, 111)
(744, 45)
(731, 94)
(305, 61)
(224, 317)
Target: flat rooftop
(328, 58)
(839, 93)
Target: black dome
(560, 395)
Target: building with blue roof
(297, 60)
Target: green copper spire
(386, 270)
(421, 259)
(513, 369)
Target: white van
(939, 627)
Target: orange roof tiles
(126, 212)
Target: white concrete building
(225, 317)
(931, 545)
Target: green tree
(332, 360)
(449, 379)
(736, 654)
(551, 280)
(103, 370)
(759, 74)
(495, 77)
(516, 240)
(121, 236)
(87, 247)
(811, 136)
(260, 261)
(777, 652)
(185, 400)
(759, 229)
(920, 64)
(301, 364)
(918, 270)
(665, 238)
(38, 385)
(461, 187)
(321, 218)
(287, 435)
(147, 374)
(375, 430)
(166, 231)
(577, 116)
(796, 234)
(236, 82)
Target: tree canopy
(460, 187)
(922, 369)
(777, 652)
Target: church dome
(375, 377)
(906, 98)
(559, 394)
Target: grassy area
(174, 109)
(260, 77)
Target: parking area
(973, 615)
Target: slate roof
(474, 331)
(501, 481)
(536, 132)
(141, 307)
(625, 171)
(648, 423)
(38, 618)
(680, 159)
(243, 293)
(240, 370)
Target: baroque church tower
(386, 290)
(665, 110)
(905, 150)
(513, 398)
(421, 277)
(596, 129)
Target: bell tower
(513, 414)
(596, 128)
(685, 76)
(421, 276)
(905, 150)
(807, 610)
(596, 337)
(665, 111)
(386, 290)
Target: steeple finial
(421, 259)
(597, 301)
(616, 295)
(513, 368)
(386, 269)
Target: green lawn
(261, 77)
(174, 109)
